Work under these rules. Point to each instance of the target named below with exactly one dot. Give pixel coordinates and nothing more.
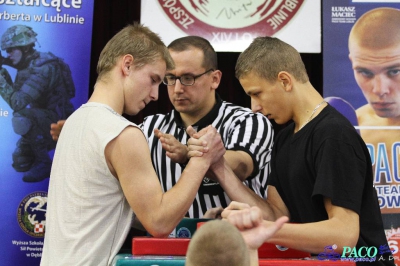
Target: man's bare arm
(240, 162)
(131, 164)
(340, 229)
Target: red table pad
(268, 250)
(179, 246)
(160, 246)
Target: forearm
(240, 162)
(175, 203)
(237, 191)
(314, 237)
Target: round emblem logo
(31, 214)
(184, 232)
(227, 20)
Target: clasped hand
(176, 151)
(205, 143)
(249, 221)
(198, 145)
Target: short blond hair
(217, 243)
(145, 46)
(267, 56)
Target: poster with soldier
(361, 70)
(44, 77)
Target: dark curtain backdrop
(112, 15)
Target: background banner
(45, 48)
(230, 26)
(367, 90)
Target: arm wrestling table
(149, 251)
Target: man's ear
(127, 64)
(286, 80)
(216, 78)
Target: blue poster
(361, 78)
(44, 77)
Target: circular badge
(31, 214)
(227, 20)
(183, 232)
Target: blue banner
(45, 63)
(361, 79)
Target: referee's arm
(247, 144)
(240, 162)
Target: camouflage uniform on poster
(39, 96)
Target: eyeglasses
(187, 79)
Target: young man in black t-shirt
(321, 173)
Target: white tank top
(88, 216)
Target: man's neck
(103, 94)
(189, 119)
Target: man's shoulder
(241, 113)
(229, 107)
(42, 59)
(160, 121)
(132, 130)
(157, 117)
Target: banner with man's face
(361, 78)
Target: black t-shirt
(327, 158)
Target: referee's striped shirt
(240, 129)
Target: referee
(248, 136)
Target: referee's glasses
(187, 79)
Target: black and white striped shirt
(240, 129)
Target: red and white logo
(39, 228)
(227, 20)
(31, 214)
